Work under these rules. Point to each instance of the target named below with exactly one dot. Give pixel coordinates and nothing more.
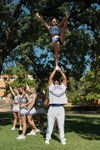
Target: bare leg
(35, 128)
(19, 117)
(15, 119)
(31, 122)
(42, 117)
(39, 121)
(56, 49)
(23, 118)
(55, 125)
(62, 35)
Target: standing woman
(40, 109)
(24, 102)
(16, 108)
(32, 111)
(57, 37)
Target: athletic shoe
(36, 131)
(20, 128)
(20, 137)
(31, 133)
(63, 142)
(64, 139)
(67, 13)
(41, 129)
(47, 141)
(13, 128)
(57, 68)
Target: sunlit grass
(82, 133)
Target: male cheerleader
(57, 98)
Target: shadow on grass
(84, 126)
(7, 118)
(43, 133)
(87, 127)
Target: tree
(72, 91)
(90, 83)
(19, 28)
(16, 26)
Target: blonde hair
(33, 90)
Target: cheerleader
(58, 37)
(24, 102)
(32, 111)
(16, 108)
(40, 109)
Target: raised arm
(51, 77)
(45, 24)
(61, 23)
(12, 90)
(63, 76)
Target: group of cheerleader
(24, 105)
(27, 104)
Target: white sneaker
(36, 131)
(67, 13)
(64, 139)
(63, 142)
(57, 68)
(20, 137)
(20, 128)
(46, 141)
(13, 128)
(31, 133)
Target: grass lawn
(81, 130)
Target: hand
(55, 69)
(59, 69)
(22, 105)
(28, 110)
(37, 15)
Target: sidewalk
(5, 109)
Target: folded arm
(33, 102)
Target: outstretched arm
(45, 24)
(61, 23)
(51, 77)
(63, 76)
(11, 90)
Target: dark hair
(41, 93)
(23, 87)
(54, 18)
(57, 77)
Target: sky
(39, 51)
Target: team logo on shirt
(58, 87)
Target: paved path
(5, 108)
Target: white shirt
(57, 94)
(16, 100)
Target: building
(3, 79)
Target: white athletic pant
(55, 113)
